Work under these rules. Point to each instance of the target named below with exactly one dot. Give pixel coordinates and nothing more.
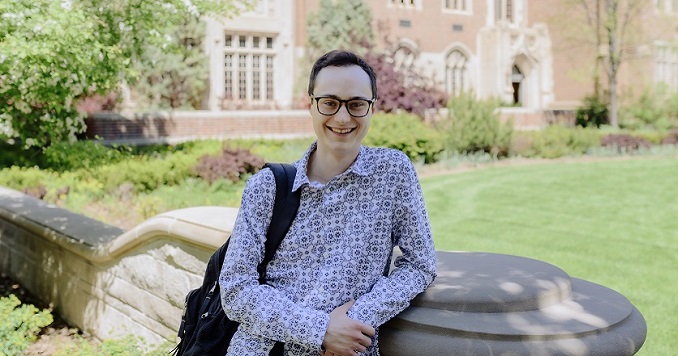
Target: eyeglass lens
(356, 107)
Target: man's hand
(345, 336)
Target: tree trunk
(614, 57)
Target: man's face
(341, 133)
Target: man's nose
(343, 115)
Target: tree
(342, 24)
(54, 53)
(175, 75)
(613, 25)
(50, 57)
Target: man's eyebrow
(338, 98)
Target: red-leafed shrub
(671, 138)
(231, 164)
(405, 89)
(625, 142)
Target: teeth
(340, 131)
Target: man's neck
(323, 165)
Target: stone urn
(494, 304)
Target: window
(248, 67)
(503, 10)
(668, 6)
(407, 4)
(403, 58)
(456, 5)
(666, 63)
(228, 80)
(264, 7)
(456, 73)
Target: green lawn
(614, 223)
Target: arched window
(404, 57)
(456, 73)
(516, 81)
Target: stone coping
(207, 226)
(207, 114)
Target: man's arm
(261, 309)
(415, 269)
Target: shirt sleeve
(262, 310)
(415, 269)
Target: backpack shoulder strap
(284, 210)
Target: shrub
(671, 138)
(20, 325)
(147, 173)
(85, 154)
(12, 154)
(593, 112)
(131, 345)
(405, 132)
(625, 142)
(557, 141)
(474, 126)
(23, 178)
(231, 164)
(656, 108)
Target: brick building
(517, 50)
(536, 56)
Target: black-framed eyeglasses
(329, 106)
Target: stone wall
(108, 282)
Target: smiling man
(326, 291)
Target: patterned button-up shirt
(335, 250)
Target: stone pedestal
(493, 304)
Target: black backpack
(205, 329)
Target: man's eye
(328, 103)
(357, 104)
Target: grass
(614, 223)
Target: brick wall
(170, 127)
(183, 126)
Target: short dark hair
(342, 58)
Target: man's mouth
(341, 131)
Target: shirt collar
(359, 167)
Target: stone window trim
(666, 64)
(456, 72)
(249, 60)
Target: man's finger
(345, 307)
(367, 330)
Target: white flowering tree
(56, 52)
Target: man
(325, 290)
